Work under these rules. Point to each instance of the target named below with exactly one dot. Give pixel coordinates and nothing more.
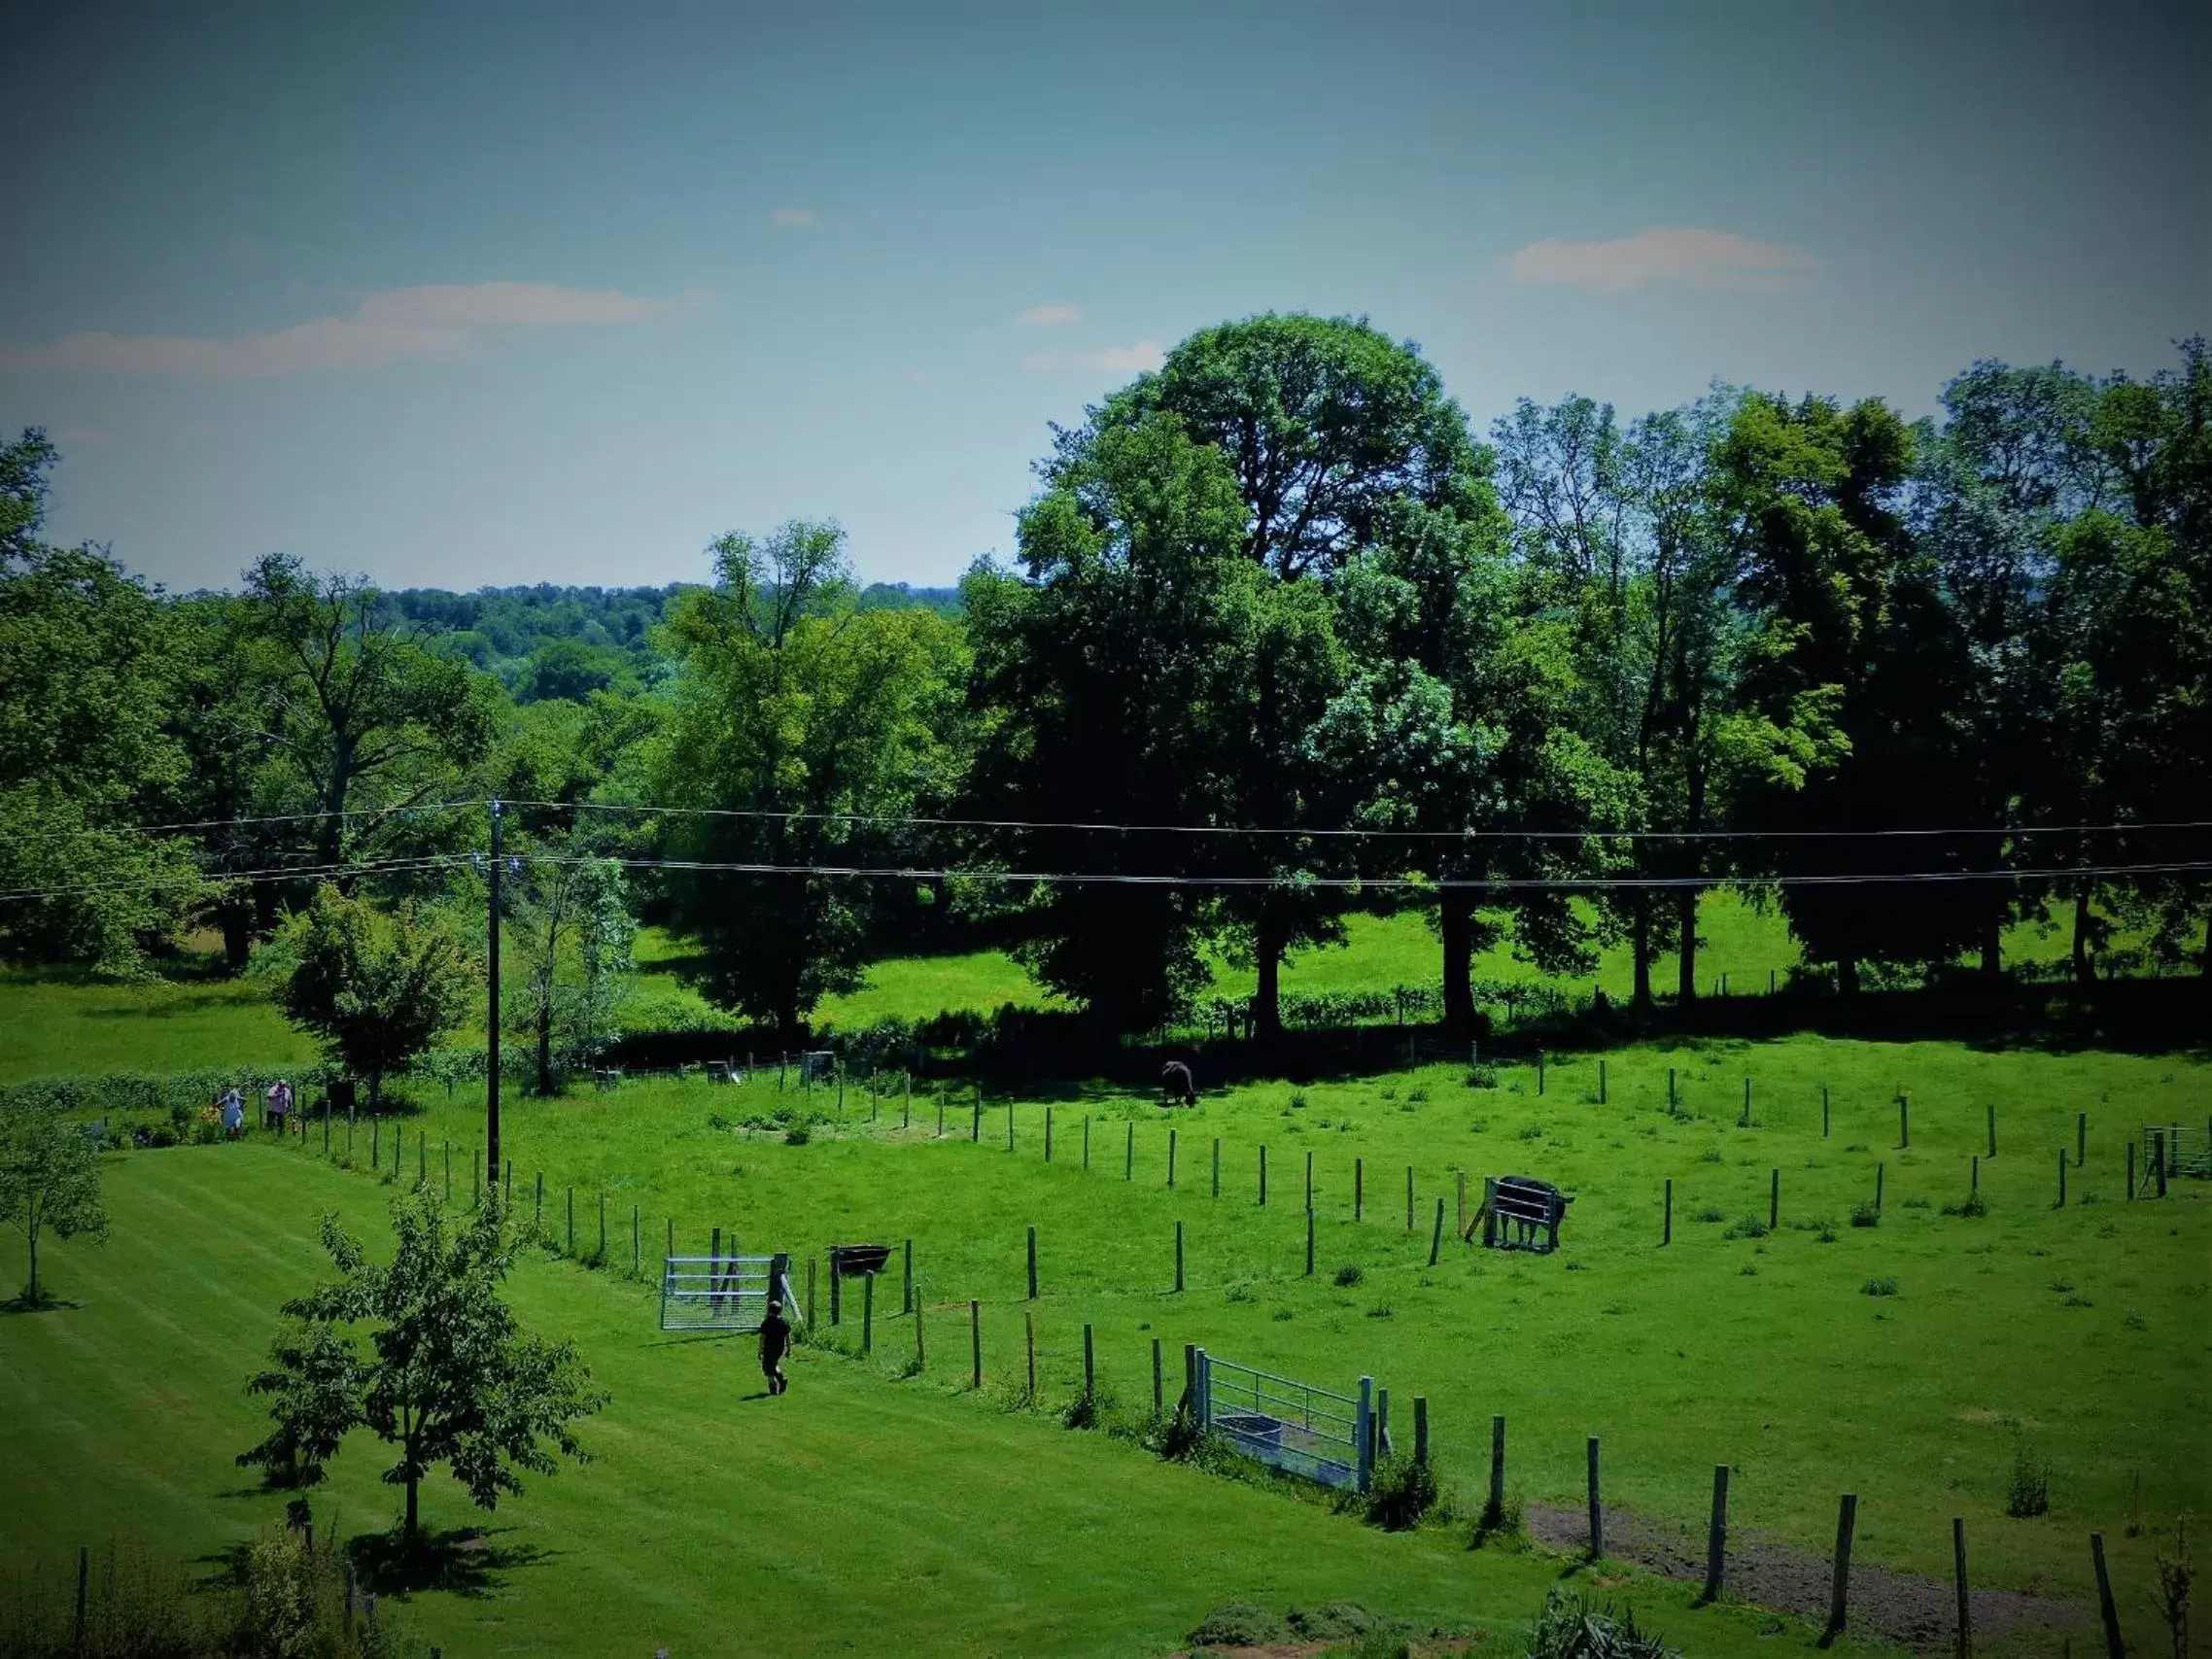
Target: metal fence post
(1364, 1432)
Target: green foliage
(1569, 1627)
(49, 1181)
(377, 987)
(793, 711)
(2029, 1493)
(448, 1377)
(1403, 1489)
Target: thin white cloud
(1113, 359)
(442, 320)
(791, 216)
(1049, 316)
(1694, 259)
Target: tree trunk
(375, 1090)
(1993, 944)
(1686, 917)
(31, 1290)
(1847, 976)
(545, 1048)
(1455, 926)
(237, 936)
(2205, 961)
(1267, 957)
(1641, 939)
(2083, 974)
(413, 1482)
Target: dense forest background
(1284, 639)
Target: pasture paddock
(1908, 1362)
(855, 1514)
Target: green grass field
(856, 1515)
(2079, 1334)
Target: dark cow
(1175, 1086)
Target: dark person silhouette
(775, 1343)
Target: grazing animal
(1175, 1084)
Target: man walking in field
(775, 1343)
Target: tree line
(1283, 637)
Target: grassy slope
(53, 1023)
(2082, 1332)
(858, 1516)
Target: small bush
(1401, 1492)
(1238, 1293)
(1505, 1523)
(715, 1120)
(1417, 1096)
(1711, 1213)
(1826, 1234)
(1381, 1310)
(1297, 1101)
(1915, 1203)
(1482, 1077)
(1881, 1287)
(1711, 1154)
(1238, 1624)
(1349, 1275)
(1568, 1628)
(1747, 1271)
(1751, 1227)
(1283, 1314)
(1087, 1410)
(1176, 1435)
(1865, 1215)
(798, 1134)
(1533, 1132)
(1971, 1206)
(2030, 1491)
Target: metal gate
(2181, 1148)
(724, 1292)
(1289, 1425)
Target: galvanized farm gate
(1290, 1425)
(2181, 1148)
(724, 1292)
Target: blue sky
(491, 293)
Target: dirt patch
(1903, 1609)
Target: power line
(1384, 883)
(904, 823)
(348, 812)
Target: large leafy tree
(1324, 423)
(85, 675)
(801, 724)
(50, 1182)
(363, 718)
(377, 986)
(1852, 685)
(446, 1376)
(1106, 683)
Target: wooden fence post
(1666, 1225)
(1309, 1180)
(1129, 1154)
(2130, 1169)
(1171, 1157)
(1823, 1111)
(1458, 1180)
(1839, 1589)
(1262, 1174)
(1048, 1134)
(1217, 1166)
(2061, 1178)
(810, 1265)
(1774, 1201)
(1179, 1256)
(837, 1295)
(921, 1353)
(1539, 1071)
(1359, 1186)
(1436, 1238)
(976, 1342)
(1421, 1429)
(1032, 1264)
(1747, 1119)
(1158, 1397)
(1669, 1091)
(637, 1246)
(1309, 1244)
(2081, 1138)
(1030, 1350)
(1596, 1510)
(1600, 1080)
(975, 1119)
(906, 1296)
(2113, 1647)
(1494, 1512)
(1993, 1131)
(1089, 1367)
(1877, 1171)
(1087, 1140)
(1904, 1121)
(1716, 1537)
(868, 1312)
(1010, 1124)
(1409, 1198)
(1958, 1570)
(1974, 1175)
